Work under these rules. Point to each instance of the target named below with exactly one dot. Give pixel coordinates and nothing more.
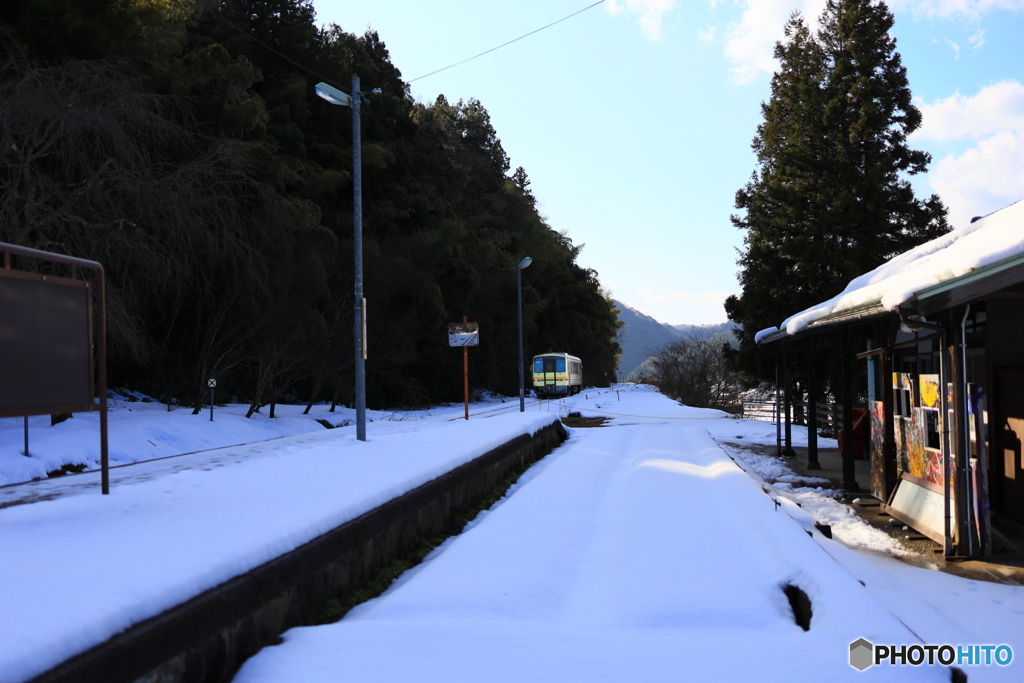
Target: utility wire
(508, 43)
(256, 40)
(450, 66)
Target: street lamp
(335, 96)
(519, 291)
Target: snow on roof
(764, 333)
(997, 236)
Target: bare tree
(199, 248)
(693, 370)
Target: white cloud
(990, 174)
(995, 108)
(986, 177)
(751, 40)
(977, 39)
(651, 13)
(707, 34)
(950, 9)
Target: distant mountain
(641, 337)
(644, 336)
(709, 329)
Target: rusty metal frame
(97, 344)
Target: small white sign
(463, 334)
(921, 504)
(212, 383)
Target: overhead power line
(526, 35)
(284, 56)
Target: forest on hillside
(181, 144)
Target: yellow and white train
(556, 375)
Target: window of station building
(931, 429)
(902, 403)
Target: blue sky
(634, 118)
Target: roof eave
(831, 323)
(965, 288)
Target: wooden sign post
(464, 334)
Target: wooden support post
(788, 398)
(811, 411)
(888, 410)
(960, 445)
(846, 359)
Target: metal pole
(357, 249)
(465, 372)
(101, 351)
(211, 404)
(964, 442)
(26, 435)
(519, 301)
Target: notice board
(45, 344)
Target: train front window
(538, 365)
(561, 364)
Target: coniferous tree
(830, 198)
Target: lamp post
(519, 292)
(335, 96)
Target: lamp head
(333, 95)
(525, 262)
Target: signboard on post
(53, 340)
(212, 384)
(463, 334)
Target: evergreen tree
(830, 198)
(181, 144)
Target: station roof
(971, 261)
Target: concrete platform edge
(206, 639)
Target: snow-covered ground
(641, 551)
(143, 429)
(79, 567)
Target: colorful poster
(877, 450)
(901, 447)
(933, 466)
(915, 440)
(930, 395)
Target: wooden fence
(829, 415)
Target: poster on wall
(930, 396)
(877, 450)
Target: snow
(764, 333)
(82, 567)
(991, 239)
(645, 550)
(143, 429)
(761, 433)
(819, 502)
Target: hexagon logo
(862, 654)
